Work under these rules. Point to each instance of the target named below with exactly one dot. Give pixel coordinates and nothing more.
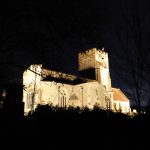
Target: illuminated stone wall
(32, 85)
(59, 94)
(121, 106)
(87, 94)
(87, 59)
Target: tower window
(88, 62)
(84, 63)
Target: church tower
(94, 64)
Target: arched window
(63, 99)
(30, 100)
(107, 100)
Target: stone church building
(91, 87)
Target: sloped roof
(50, 75)
(118, 95)
(56, 74)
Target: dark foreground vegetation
(75, 126)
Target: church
(91, 87)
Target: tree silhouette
(132, 36)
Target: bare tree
(134, 54)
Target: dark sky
(53, 32)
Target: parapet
(93, 51)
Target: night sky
(53, 32)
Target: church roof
(50, 75)
(118, 95)
(56, 74)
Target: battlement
(93, 51)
